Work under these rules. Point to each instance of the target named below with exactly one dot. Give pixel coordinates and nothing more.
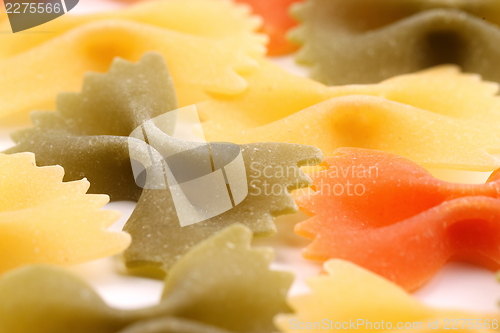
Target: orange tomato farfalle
(389, 215)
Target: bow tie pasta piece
(377, 123)
(272, 171)
(220, 285)
(389, 215)
(41, 298)
(277, 22)
(348, 293)
(43, 220)
(93, 46)
(215, 19)
(422, 116)
(88, 135)
(443, 90)
(89, 143)
(367, 41)
(235, 289)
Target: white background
(457, 285)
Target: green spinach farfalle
(89, 137)
(220, 286)
(367, 41)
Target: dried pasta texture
(214, 19)
(89, 133)
(389, 215)
(43, 220)
(347, 293)
(203, 54)
(352, 42)
(220, 286)
(272, 172)
(89, 136)
(439, 118)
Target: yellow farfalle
(43, 220)
(352, 298)
(202, 53)
(439, 118)
(215, 19)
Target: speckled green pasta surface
(220, 286)
(272, 169)
(88, 135)
(367, 41)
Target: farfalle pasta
(93, 46)
(89, 136)
(272, 172)
(439, 118)
(43, 220)
(349, 297)
(351, 42)
(389, 215)
(220, 286)
(214, 19)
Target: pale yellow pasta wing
(216, 19)
(443, 90)
(351, 298)
(43, 220)
(440, 117)
(32, 79)
(430, 139)
(272, 94)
